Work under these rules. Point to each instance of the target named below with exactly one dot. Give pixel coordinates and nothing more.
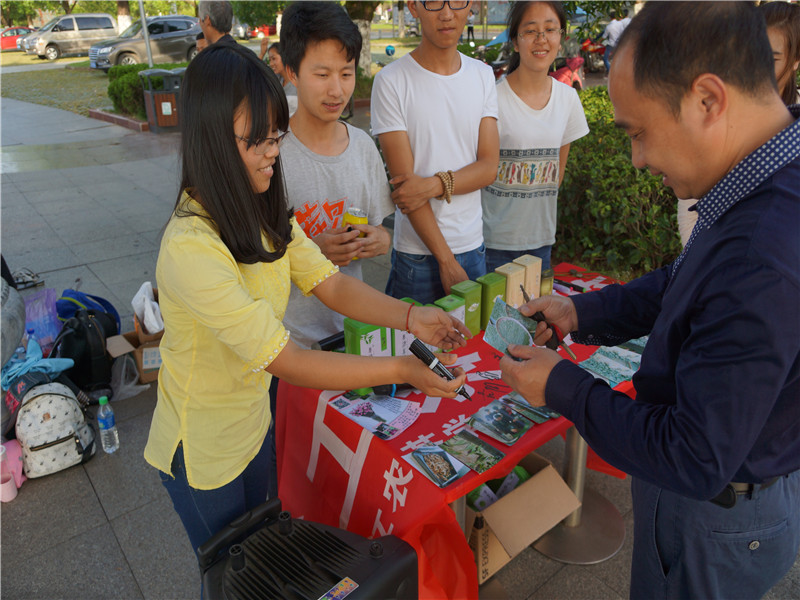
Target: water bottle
(109, 436)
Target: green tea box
(401, 340)
(493, 285)
(470, 291)
(366, 340)
(533, 273)
(515, 279)
(454, 305)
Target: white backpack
(52, 430)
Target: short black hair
(514, 20)
(675, 42)
(218, 82)
(307, 23)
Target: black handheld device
(421, 351)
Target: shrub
(125, 87)
(612, 216)
(363, 87)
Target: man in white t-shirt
(435, 114)
(329, 166)
(612, 34)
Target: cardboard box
(519, 518)
(533, 273)
(147, 356)
(144, 337)
(515, 280)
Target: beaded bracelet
(448, 184)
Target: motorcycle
(568, 71)
(592, 54)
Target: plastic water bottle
(109, 436)
(20, 354)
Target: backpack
(71, 301)
(52, 430)
(83, 339)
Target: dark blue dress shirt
(718, 390)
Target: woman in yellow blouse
(228, 256)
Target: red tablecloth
(333, 471)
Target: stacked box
(470, 291)
(401, 340)
(515, 279)
(365, 339)
(454, 305)
(533, 273)
(493, 285)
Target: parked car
(240, 30)
(262, 31)
(10, 35)
(70, 34)
(172, 39)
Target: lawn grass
(75, 90)
(20, 59)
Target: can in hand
(355, 216)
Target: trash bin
(161, 102)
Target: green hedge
(125, 87)
(611, 216)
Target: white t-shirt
(520, 207)
(320, 189)
(441, 115)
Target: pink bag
(14, 454)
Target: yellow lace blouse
(222, 328)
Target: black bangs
(265, 102)
(220, 81)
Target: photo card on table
(472, 451)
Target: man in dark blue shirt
(713, 438)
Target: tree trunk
(365, 60)
(123, 15)
(401, 19)
(362, 13)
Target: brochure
(386, 417)
(500, 422)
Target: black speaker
(266, 554)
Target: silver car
(70, 34)
(172, 39)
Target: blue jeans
(497, 258)
(205, 512)
(607, 57)
(685, 548)
(417, 275)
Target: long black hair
(514, 20)
(220, 81)
(785, 18)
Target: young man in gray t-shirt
(329, 166)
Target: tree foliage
(24, 12)
(596, 14)
(258, 13)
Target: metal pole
(575, 474)
(146, 33)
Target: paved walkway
(83, 203)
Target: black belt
(727, 497)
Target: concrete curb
(128, 122)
